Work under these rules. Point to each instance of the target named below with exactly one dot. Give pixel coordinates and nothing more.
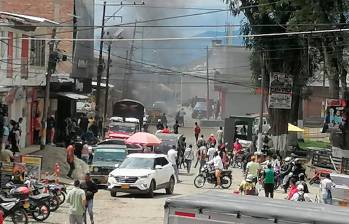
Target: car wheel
(170, 188)
(113, 193)
(151, 189)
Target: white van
(223, 208)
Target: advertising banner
(280, 91)
(33, 165)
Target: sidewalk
(36, 148)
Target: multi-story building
(23, 64)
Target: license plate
(125, 186)
(26, 205)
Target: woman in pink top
(293, 189)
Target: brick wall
(56, 10)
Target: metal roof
(73, 96)
(262, 207)
(27, 19)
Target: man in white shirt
(218, 165)
(210, 153)
(326, 186)
(220, 135)
(172, 157)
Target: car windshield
(123, 127)
(138, 163)
(109, 156)
(200, 106)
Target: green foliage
(311, 143)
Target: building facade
(23, 68)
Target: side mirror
(158, 167)
(116, 165)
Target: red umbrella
(143, 138)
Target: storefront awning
(73, 96)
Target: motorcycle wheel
(19, 216)
(61, 197)
(226, 182)
(54, 203)
(41, 212)
(199, 181)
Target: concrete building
(23, 67)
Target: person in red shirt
(197, 131)
(37, 128)
(212, 140)
(70, 159)
(237, 147)
(293, 189)
(166, 130)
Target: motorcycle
(12, 208)
(294, 173)
(208, 174)
(56, 191)
(37, 206)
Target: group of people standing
(12, 132)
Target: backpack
(301, 197)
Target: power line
(194, 38)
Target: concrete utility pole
(51, 67)
(260, 128)
(100, 67)
(107, 85)
(207, 87)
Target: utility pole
(129, 63)
(260, 128)
(100, 68)
(207, 87)
(107, 85)
(50, 70)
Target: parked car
(105, 159)
(142, 174)
(200, 110)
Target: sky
(168, 53)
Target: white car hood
(131, 172)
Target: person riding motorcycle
(293, 169)
(218, 165)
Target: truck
(215, 207)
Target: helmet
(212, 135)
(249, 178)
(159, 120)
(300, 187)
(288, 159)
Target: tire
(113, 193)
(19, 216)
(61, 197)
(199, 181)
(41, 212)
(170, 188)
(151, 189)
(227, 180)
(54, 203)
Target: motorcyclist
(218, 165)
(286, 172)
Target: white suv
(142, 173)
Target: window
(3, 49)
(162, 161)
(37, 53)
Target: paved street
(139, 209)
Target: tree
(283, 54)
